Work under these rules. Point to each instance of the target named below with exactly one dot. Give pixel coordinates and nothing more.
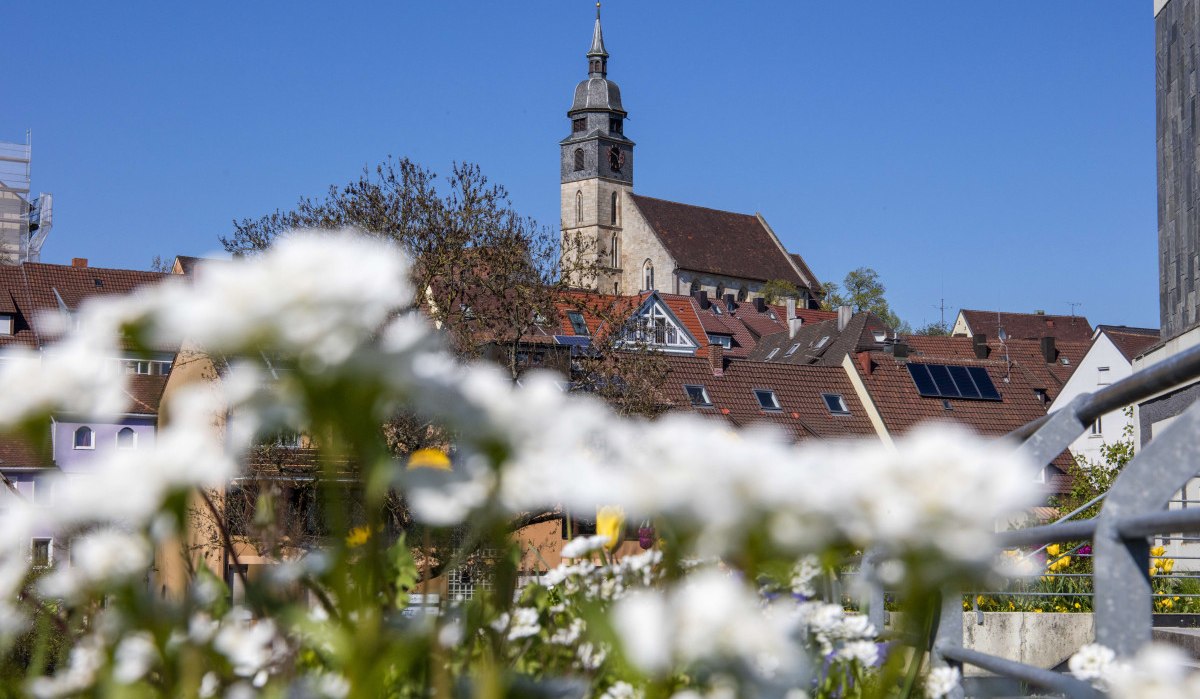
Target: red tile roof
(1028, 326)
(1130, 341)
(798, 390)
(16, 452)
(720, 242)
(1026, 356)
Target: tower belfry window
(578, 125)
(578, 159)
(614, 257)
(616, 206)
(578, 206)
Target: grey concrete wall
(1043, 640)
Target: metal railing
(1134, 510)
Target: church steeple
(597, 56)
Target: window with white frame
(792, 350)
(1103, 376)
(835, 403)
(697, 394)
(657, 327)
(725, 341)
(772, 353)
(126, 438)
(766, 399)
(85, 438)
(1097, 428)
(6, 324)
(42, 553)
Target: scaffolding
(25, 221)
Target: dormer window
(725, 341)
(767, 399)
(698, 395)
(578, 326)
(85, 438)
(6, 324)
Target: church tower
(597, 176)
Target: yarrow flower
(941, 681)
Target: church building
(637, 243)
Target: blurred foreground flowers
(319, 335)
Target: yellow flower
(1077, 606)
(610, 522)
(1053, 550)
(429, 458)
(1038, 610)
(1168, 564)
(1158, 551)
(1153, 570)
(358, 536)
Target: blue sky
(998, 154)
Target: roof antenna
(1003, 336)
(1073, 304)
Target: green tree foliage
(933, 329)
(776, 290)
(862, 291)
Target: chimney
(844, 315)
(979, 342)
(716, 358)
(793, 321)
(1048, 351)
(864, 362)
(729, 305)
(1039, 312)
(899, 350)
(702, 297)
(79, 262)
(1050, 323)
(760, 304)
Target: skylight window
(772, 354)
(578, 326)
(943, 381)
(766, 399)
(821, 343)
(698, 395)
(716, 307)
(792, 350)
(835, 403)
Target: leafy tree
(775, 290)
(933, 329)
(862, 291)
(160, 264)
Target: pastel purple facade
(75, 454)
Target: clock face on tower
(616, 158)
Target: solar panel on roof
(952, 381)
(962, 379)
(987, 389)
(945, 384)
(573, 340)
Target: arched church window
(721, 291)
(616, 206)
(694, 288)
(578, 159)
(578, 206)
(742, 294)
(613, 253)
(648, 276)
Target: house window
(835, 403)
(1097, 428)
(725, 341)
(578, 159)
(616, 206)
(6, 324)
(656, 326)
(578, 207)
(578, 326)
(85, 438)
(648, 276)
(613, 253)
(1103, 375)
(698, 395)
(126, 438)
(41, 553)
(766, 399)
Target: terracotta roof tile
(718, 242)
(1026, 356)
(798, 390)
(15, 452)
(1028, 326)
(1130, 341)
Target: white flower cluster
(606, 582)
(941, 681)
(804, 575)
(1158, 671)
(834, 630)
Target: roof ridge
(694, 206)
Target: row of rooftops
(805, 371)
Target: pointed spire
(597, 38)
